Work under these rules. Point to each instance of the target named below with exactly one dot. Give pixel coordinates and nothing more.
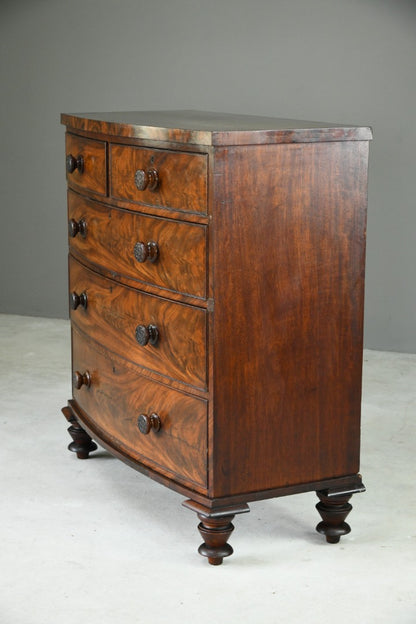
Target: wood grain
(118, 395)
(94, 175)
(114, 311)
(288, 313)
(254, 304)
(112, 234)
(182, 177)
(194, 127)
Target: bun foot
(215, 529)
(215, 532)
(82, 443)
(215, 560)
(333, 511)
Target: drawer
(88, 167)
(161, 335)
(117, 396)
(118, 240)
(180, 180)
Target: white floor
(94, 541)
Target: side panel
(288, 251)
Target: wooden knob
(81, 379)
(148, 179)
(146, 423)
(146, 251)
(74, 163)
(78, 300)
(77, 227)
(145, 334)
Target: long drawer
(166, 337)
(159, 177)
(167, 253)
(172, 437)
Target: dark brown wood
(81, 379)
(82, 443)
(215, 529)
(207, 128)
(351, 484)
(76, 300)
(147, 423)
(215, 532)
(287, 340)
(146, 179)
(77, 227)
(112, 237)
(90, 171)
(73, 163)
(147, 335)
(333, 511)
(221, 263)
(146, 251)
(181, 177)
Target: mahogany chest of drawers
(216, 276)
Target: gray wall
(349, 61)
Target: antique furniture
(216, 278)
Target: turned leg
(333, 510)
(82, 443)
(215, 529)
(215, 532)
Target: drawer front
(118, 240)
(181, 177)
(117, 396)
(119, 317)
(91, 171)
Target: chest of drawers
(216, 276)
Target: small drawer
(173, 426)
(86, 163)
(159, 177)
(166, 337)
(169, 254)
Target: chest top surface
(212, 128)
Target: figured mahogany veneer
(92, 175)
(117, 396)
(216, 286)
(115, 312)
(113, 234)
(181, 177)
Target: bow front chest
(216, 276)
